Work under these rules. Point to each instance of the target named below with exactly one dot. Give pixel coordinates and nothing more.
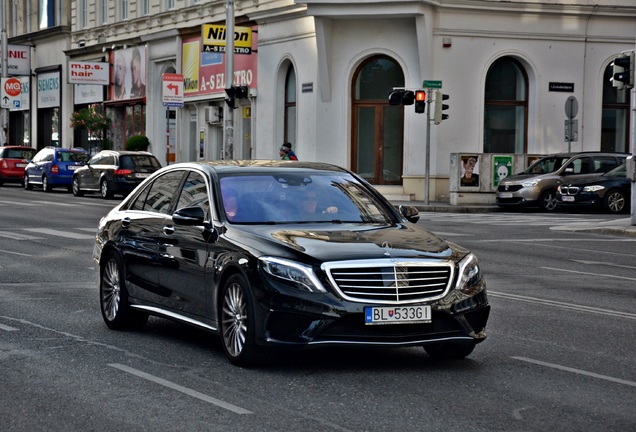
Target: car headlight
(593, 188)
(470, 277)
(530, 183)
(297, 275)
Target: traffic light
(402, 97)
(623, 71)
(236, 92)
(420, 101)
(439, 107)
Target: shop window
(135, 121)
(615, 122)
(506, 108)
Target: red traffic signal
(420, 101)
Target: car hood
(518, 178)
(340, 242)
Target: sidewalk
(619, 227)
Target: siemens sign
(49, 90)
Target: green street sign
(432, 84)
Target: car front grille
(390, 281)
(509, 188)
(569, 190)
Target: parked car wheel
(116, 311)
(76, 187)
(237, 323)
(46, 187)
(105, 190)
(25, 182)
(615, 201)
(448, 351)
(548, 200)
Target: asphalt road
(559, 356)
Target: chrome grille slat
(388, 281)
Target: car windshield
(139, 161)
(619, 171)
(546, 165)
(299, 197)
(68, 156)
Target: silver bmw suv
(536, 186)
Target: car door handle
(168, 229)
(125, 222)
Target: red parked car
(13, 160)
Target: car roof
(126, 152)
(255, 165)
(17, 147)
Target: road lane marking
(25, 204)
(563, 305)
(7, 328)
(576, 371)
(16, 236)
(59, 233)
(185, 390)
(15, 253)
(588, 273)
(604, 263)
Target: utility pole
(5, 48)
(228, 113)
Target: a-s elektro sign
(87, 72)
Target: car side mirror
(189, 216)
(410, 213)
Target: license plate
(20, 165)
(567, 198)
(73, 167)
(505, 194)
(397, 315)
(142, 175)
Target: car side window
(108, 160)
(603, 164)
(162, 192)
(580, 165)
(194, 193)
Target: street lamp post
(228, 113)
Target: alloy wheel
(234, 318)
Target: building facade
(319, 74)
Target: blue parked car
(53, 167)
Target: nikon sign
(213, 38)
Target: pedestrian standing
(289, 152)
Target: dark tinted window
(67, 156)
(603, 164)
(161, 194)
(138, 161)
(194, 193)
(18, 154)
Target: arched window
(615, 121)
(290, 107)
(377, 127)
(506, 110)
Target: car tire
(113, 296)
(237, 323)
(26, 184)
(105, 190)
(46, 187)
(449, 350)
(548, 201)
(615, 201)
(75, 188)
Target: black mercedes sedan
(611, 192)
(285, 254)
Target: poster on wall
(129, 80)
(469, 171)
(501, 168)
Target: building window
(169, 4)
(123, 9)
(615, 122)
(145, 8)
(103, 11)
(47, 13)
(83, 13)
(290, 106)
(377, 127)
(506, 110)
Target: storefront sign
(18, 59)
(88, 93)
(49, 90)
(214, 39)
(87, 73)
(204, 72)
(562, 87)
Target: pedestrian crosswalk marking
(16, 236)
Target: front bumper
(310, 319)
